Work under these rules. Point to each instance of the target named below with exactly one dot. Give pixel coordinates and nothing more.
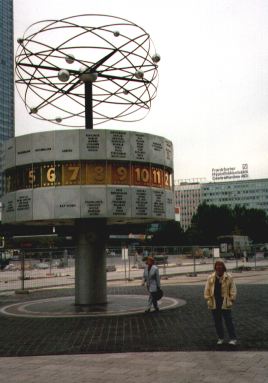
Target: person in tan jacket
(220, 293)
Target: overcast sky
(212, 100)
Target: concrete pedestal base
(90, 263)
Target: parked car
(3, 263)
(159, 259)
(42, 265)
(11, 267)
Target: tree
(256, 225)
(209, 222)
(170, 234)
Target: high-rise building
(248, 193)
(7, 128)
(187, 200)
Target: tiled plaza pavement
(160, 367)
(186, 328)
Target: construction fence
(24, 269)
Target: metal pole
(194, 265)
(88, 105)
(90, 262)
(164, 271)
(125, 266)
(22, 270)
(50, 261)
(129, 263)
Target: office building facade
(248, 193)
(7, 128)
(187, 200)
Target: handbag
(159, 294)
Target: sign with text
(70, 174)
(67, 173)
(230, 173)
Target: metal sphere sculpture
(88, 67)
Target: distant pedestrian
(152, 280)
(220, 293)
(245, 255)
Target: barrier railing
(22, 269)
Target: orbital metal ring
(87, 67)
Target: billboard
(230, 173)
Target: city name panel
(63, 175)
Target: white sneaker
(220, 341)
(233, 342)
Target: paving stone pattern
(160, 367)
(187, 328)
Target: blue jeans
(218, 314)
